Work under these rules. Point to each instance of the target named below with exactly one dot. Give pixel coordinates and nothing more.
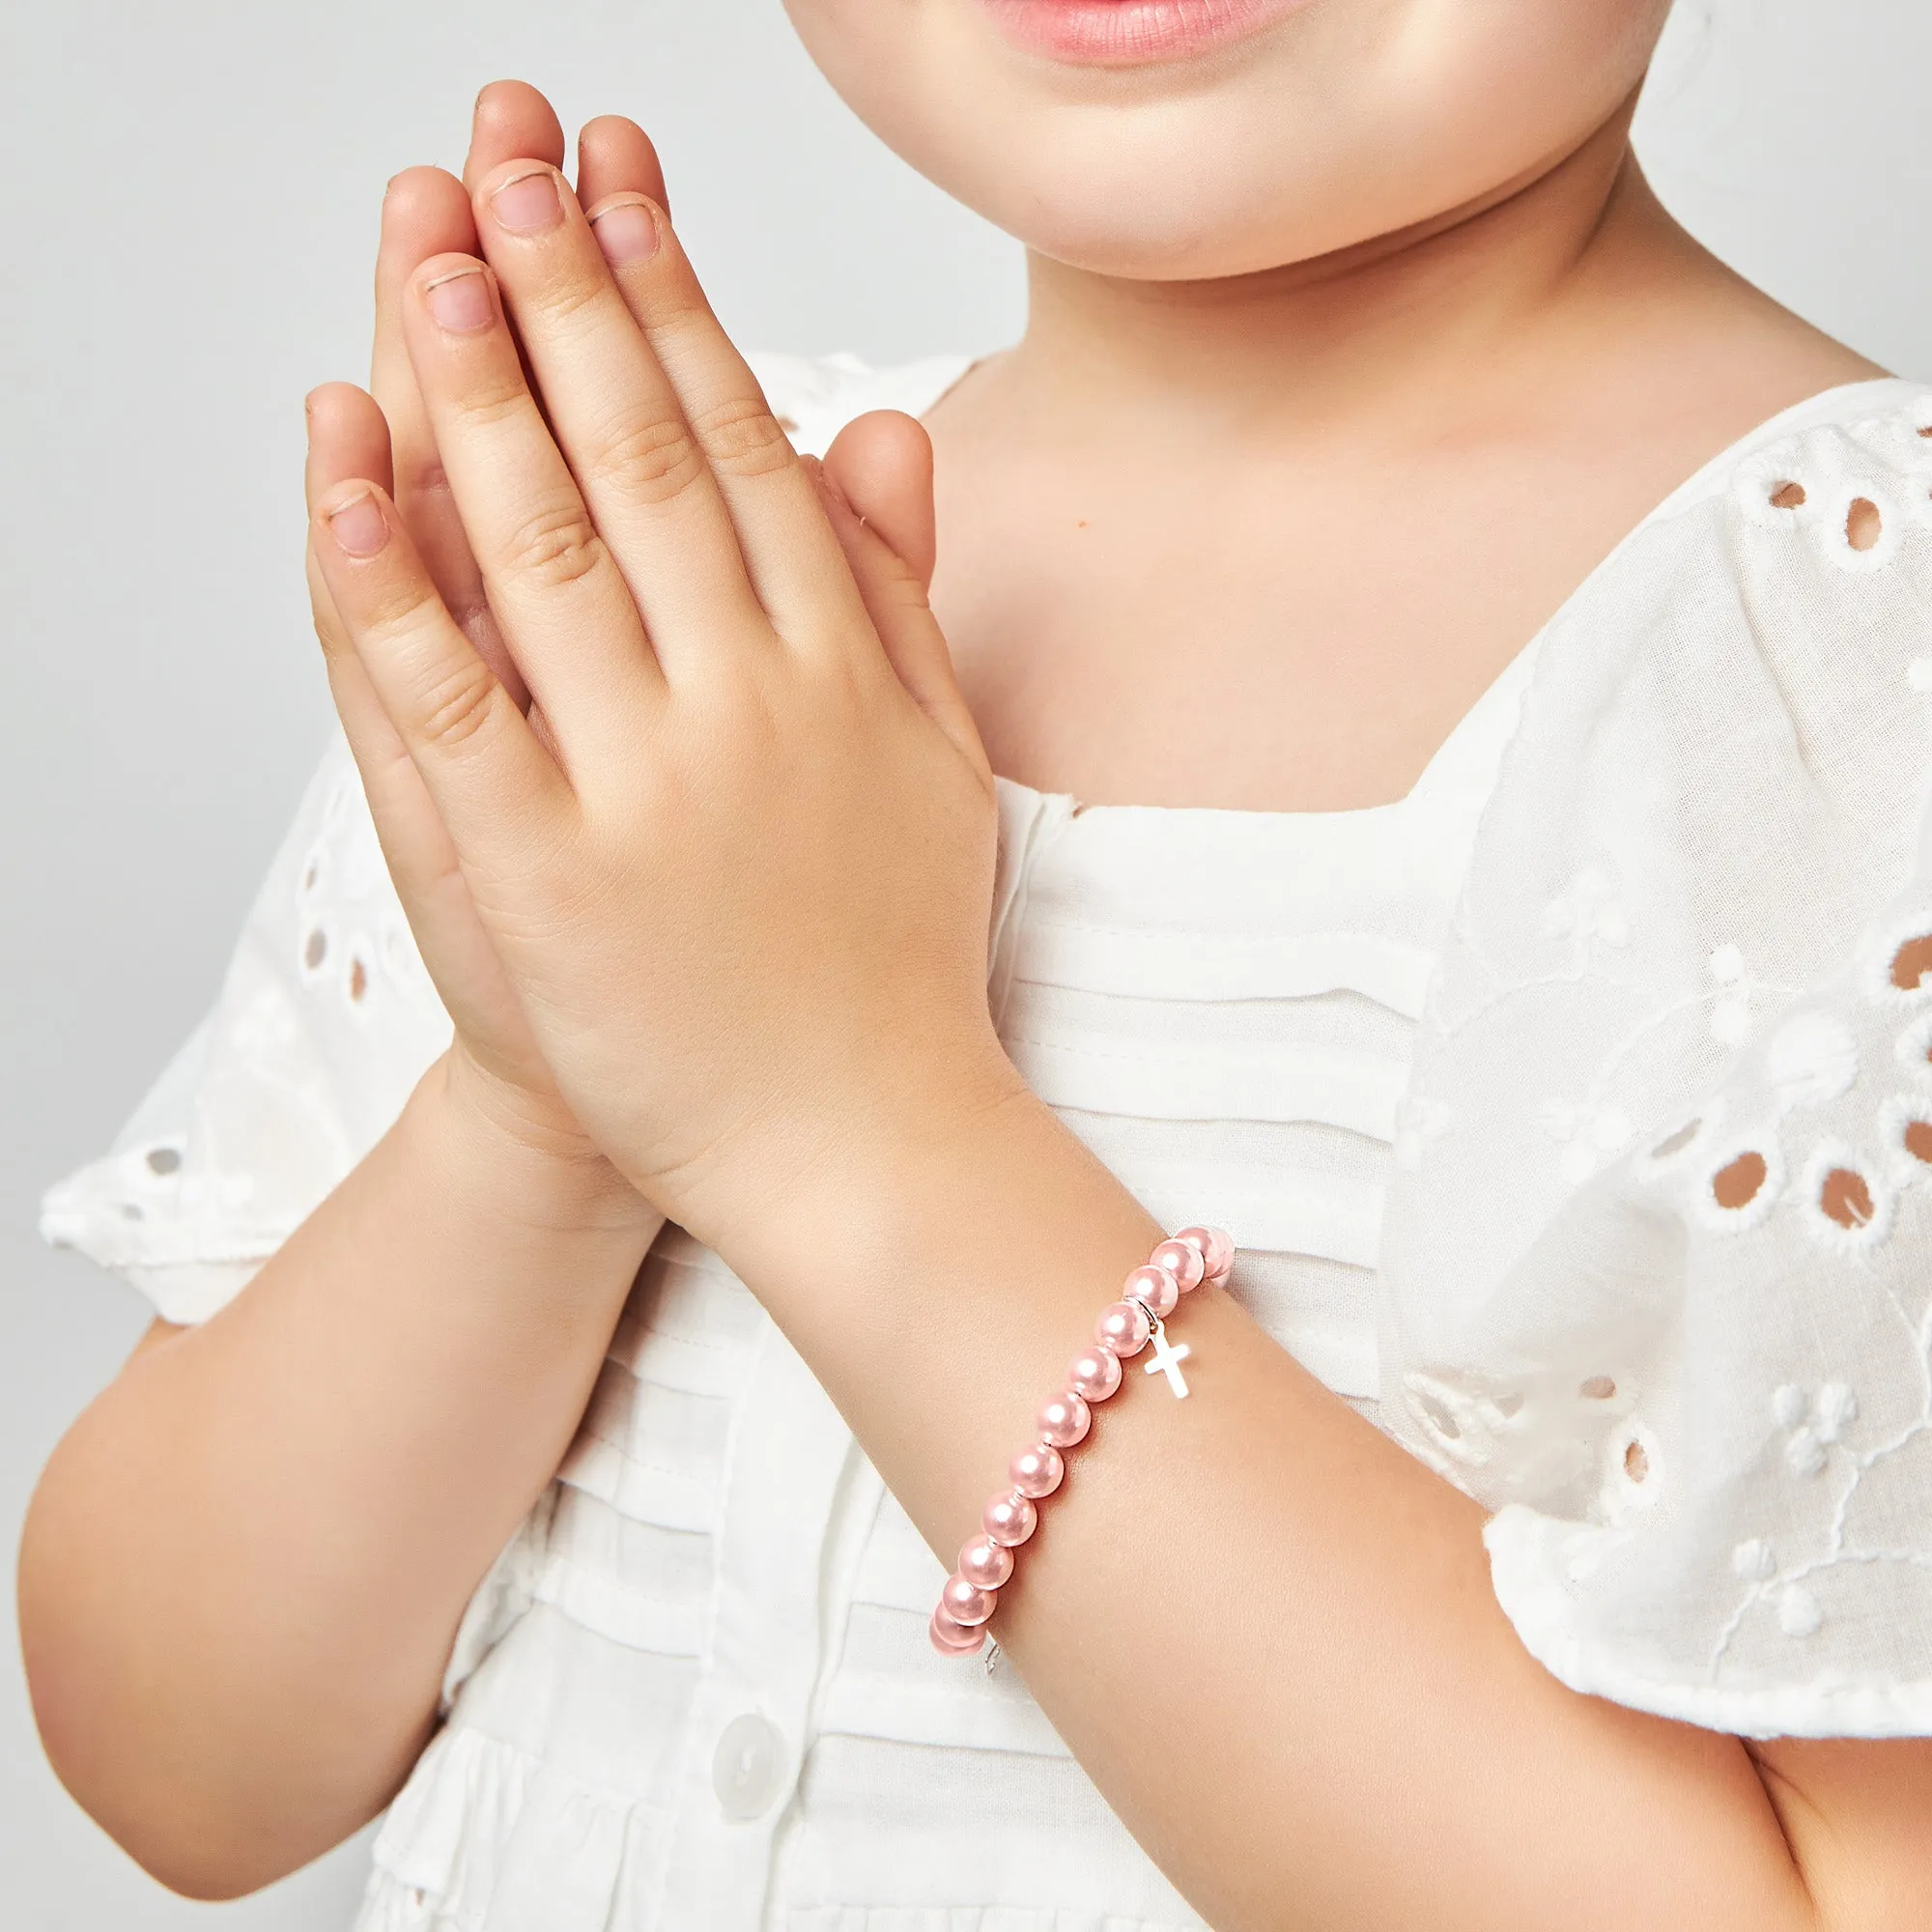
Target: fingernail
(460, 302)
(360, 528)
(528, 204)
(627, 231)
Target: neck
(1351, 335)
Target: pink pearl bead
(953, 1639)
(1094, 1374)
(1064, 1421)
(965, 1602)
(1183, 1261)
(1011, 1518)
(1037, 1471)
(986, 1563)
(1157, 1287)
(1123, 1329)
(1217, 1250)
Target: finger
(423, 861)
(897, 495)
(348, 439)
(347, 436)
(493, 786)
(795, 564)
(882, 462)
(565, 608)
(652, 494)
(511, 119)
(426, 213)
(616, 156)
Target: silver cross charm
(1166, 1359)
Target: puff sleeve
(1659, 1258)
(325, 1021)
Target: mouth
(1132, 32)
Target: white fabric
(1224, 1004)
(1706, 1422)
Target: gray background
(192, 198)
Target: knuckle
(569, 298)
(554, 547)
(457, 705)
(677, 303)
(496, 398)
(742, 437)
(653, 460)
(900, 593)
(397, 611)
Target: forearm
(246, 1564)
(1266, 1631)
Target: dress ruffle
(486, 1838)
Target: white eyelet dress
(696, 1693)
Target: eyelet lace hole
(1845, 1196)
(1738, 1184)
(1911, 963)
(1788, 496)
(1863, 524)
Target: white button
(747, 1769)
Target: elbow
(147, 1801)
(206, 1881)
(195, 1812)
(208, 1873)
(207, 1830)
(200, 1838)
(204, 1871)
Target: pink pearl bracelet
(1150, 1294)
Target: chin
(1333, 123)
(1203, 203)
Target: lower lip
(1132, 32)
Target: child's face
(1176, 138)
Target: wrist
(523, 1159)
(978, 1169)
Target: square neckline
(1489, 721)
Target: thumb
(876, 485)
(882, 465)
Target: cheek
(1358, 119)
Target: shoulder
(1837, 489)
(1782, 596)
(816, 396)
